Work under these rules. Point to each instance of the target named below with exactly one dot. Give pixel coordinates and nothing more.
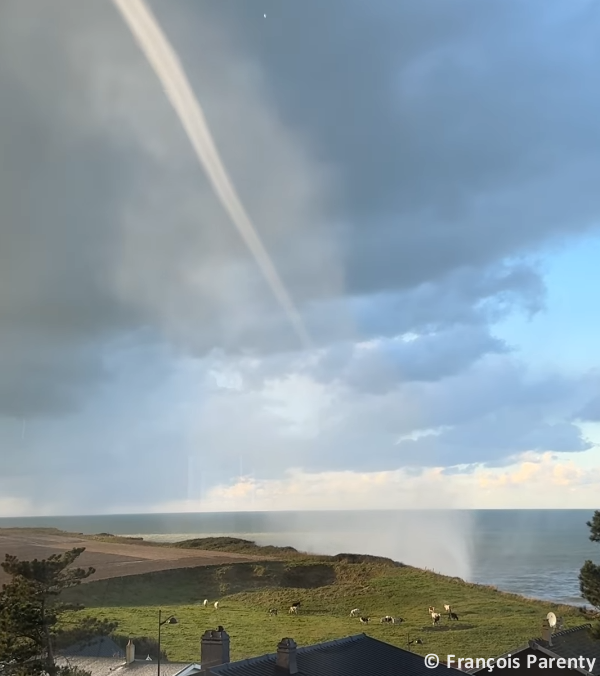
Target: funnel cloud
(166, 65)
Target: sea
(535, 553)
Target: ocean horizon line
(302, 511)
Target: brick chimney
(129, 652)
(286, 657)
(214, 648)
(546, 632)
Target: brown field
(110, 559)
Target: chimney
(286, 657)
(214, 648)
(129, 653)
(546, 632)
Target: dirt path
(110, 559)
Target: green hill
(490, 622)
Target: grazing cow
(355, 612)
(453, 616)
(216, 605)
(293, 610)
(364, 620)
(415, 641)
(435, 617)
(205, 604)
(272, 611)
(388, 619)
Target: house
(573, 653)
(358, 655)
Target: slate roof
(574, 642)
(358, 655)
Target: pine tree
(31, 613)
(589, 575)
(594, 526)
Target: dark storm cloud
(466, 297)
(495, 441)
(464, 131)
(59, 197)
(381, 366)
(404, 162)
(460, 138)
(454, 136)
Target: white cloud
(537, 481)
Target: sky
(424, 177)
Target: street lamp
(170, 620)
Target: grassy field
(490, 622)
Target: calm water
(536, 553)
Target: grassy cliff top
(490, 622)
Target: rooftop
(574, 642)
(101, 656)
(115, 666)
(358, 655)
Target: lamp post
(170, 620)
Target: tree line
(589, 575)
